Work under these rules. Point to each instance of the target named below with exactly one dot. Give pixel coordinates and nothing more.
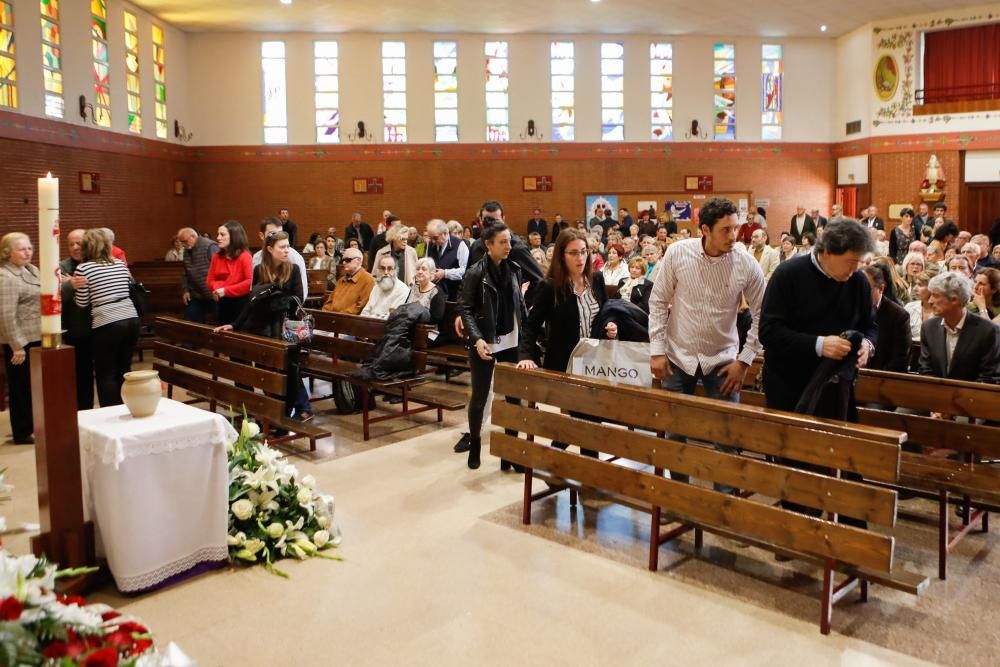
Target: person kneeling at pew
(277, 287)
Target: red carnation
(10, 609)
(120, 639)
(71, 649)
(132, 626)
(108, 615)
(105, 657)
(141, 646)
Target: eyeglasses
(351, 259)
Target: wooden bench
(211, 365)
(341, 342)
(318, 286)
(865, 556)
(968, 481)
(164, 283)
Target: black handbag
(137, 292)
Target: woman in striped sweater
(231, 272)
(101, 283)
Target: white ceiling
(766, 18)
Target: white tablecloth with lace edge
(157, 489)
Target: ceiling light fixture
(286, 2)
(822, 28)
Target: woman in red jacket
(231, 271)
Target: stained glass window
(52, 78)
(272, 60)
(132, 86)
(725, 91)
(445, 91)
(497, 98)
(99, 47)
(160, 82)
(771, 80)
(8, 63)
(327, 92)
(394, 91)
(562, 64)
(612, 91)
(661, 91)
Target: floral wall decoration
(894, 67)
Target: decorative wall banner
(90, 182)
(369, 185)
(600, 203)
(698, 183)
(536, 184)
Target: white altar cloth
(157, 489)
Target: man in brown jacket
(350, 294)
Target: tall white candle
(48, 254)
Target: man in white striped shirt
(700, 283)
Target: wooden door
(982, 207)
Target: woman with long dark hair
(265, 312)
(568, 300)
(231, 271)
(492, 313)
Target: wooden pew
(863, 555)
(164, 283)
(210, 365)
(975, 483)
(333, 357)
(318, 285)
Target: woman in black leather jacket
(492, 313)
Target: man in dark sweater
(289, 227)
(810, 300)
(538, 224)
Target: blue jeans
(682, 383)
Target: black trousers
(22, 421)
(481, 374)
(114, 345)
(84, 354)
(230, 309)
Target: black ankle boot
(475, 444)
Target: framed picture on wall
(90, 182)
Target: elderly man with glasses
(450, 255)
(351, 292)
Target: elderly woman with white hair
(20, 328)
(406, 257)
(426, 292)
(955, 343)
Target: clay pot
(141, 392)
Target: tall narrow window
(99, 45)
(272, 60)
(445, 91)
(160, 82)
(725, 92)
(52, 77)
(497, 98)
(661, 86)
(8, 69)
(612, 91)
(132, 73)
(394, 91)
(325, 63)
(563, 85)
(771, 79)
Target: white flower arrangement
(272, 513)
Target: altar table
(157, 489)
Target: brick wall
(895, 179)
(136, 196)
(318, 193)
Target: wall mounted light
(695, 132)
(531, 132)
(84, 105)
(180, 133)
(360, 133)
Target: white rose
(309, 481)
(275, 530)
(252, 429)
(323, 520)
(320, 538)
(242, 509)
(304, 496)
